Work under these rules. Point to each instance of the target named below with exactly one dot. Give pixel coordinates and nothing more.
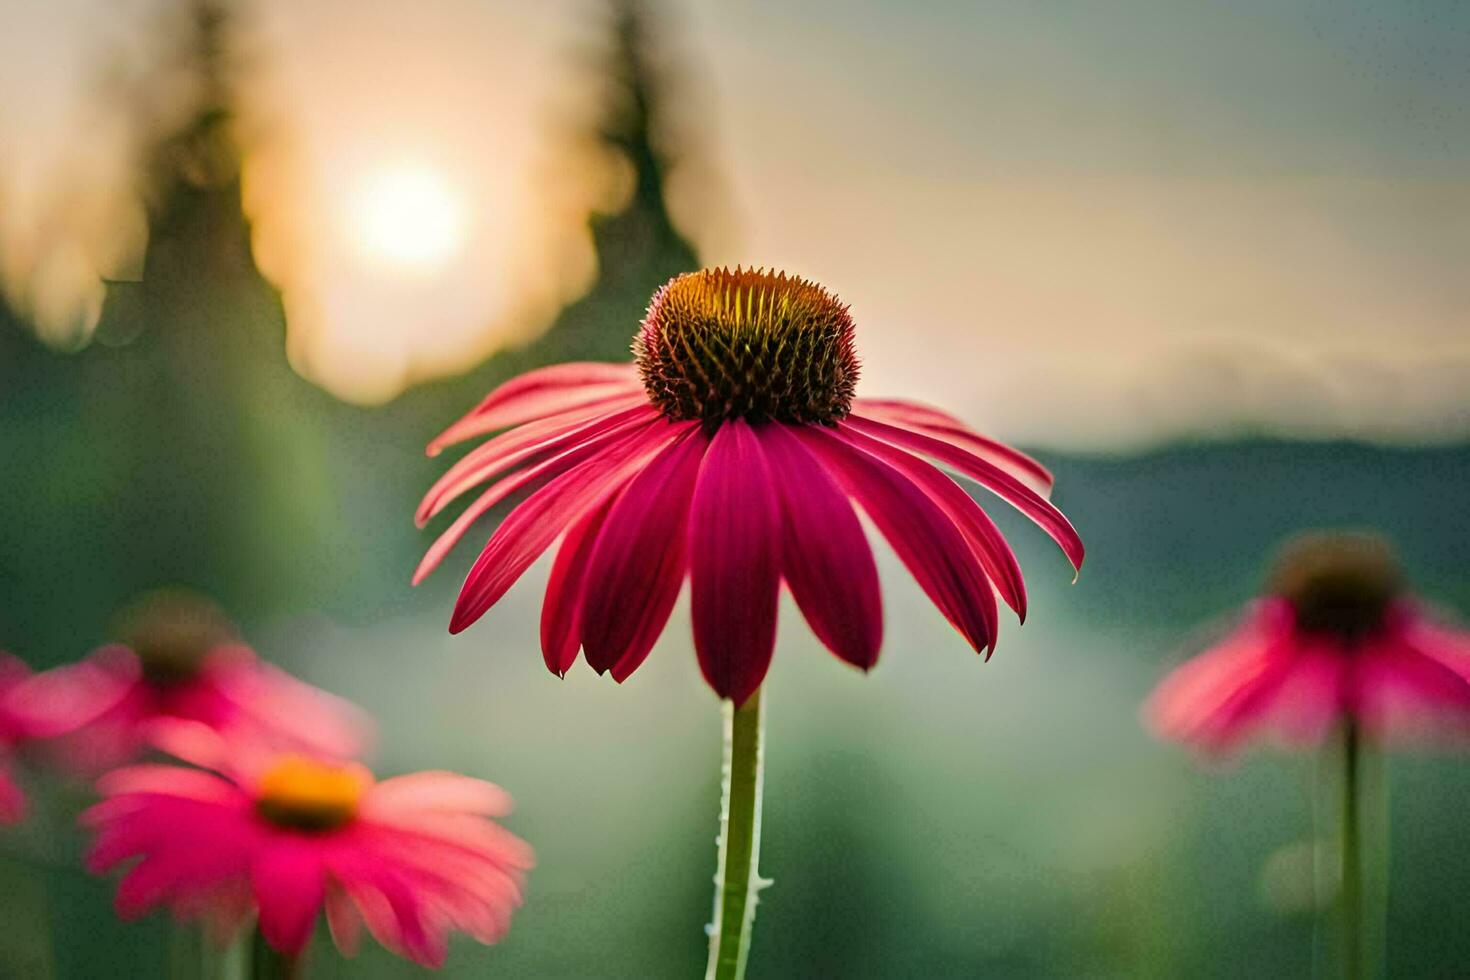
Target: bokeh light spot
(410, 220)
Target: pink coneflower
(1336, 646)
(1335, 639)
(731, 451)
(181, 659)
(286, 836)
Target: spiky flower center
(171, 631)
(304, 794)
(748, 344)
(1341, 584)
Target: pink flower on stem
(284, 837)
(181, 660)
(732, 453)
(1337, 639)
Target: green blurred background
(939, 817)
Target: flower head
(723, 345)
(1337, 637)
(179, 658)
(731, 452)
(284, 836)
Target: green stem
(1352, 857)
(267, 964)
(185, 951)
(737, 880)
(232, 961)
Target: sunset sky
(1252, 216)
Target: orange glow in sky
(408, 220)
(1070, 232)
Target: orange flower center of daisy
(304, 794)
(756, 345)
(1341, 584)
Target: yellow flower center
(748, 344)
(304, 794)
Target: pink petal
(930, 545)
(115, 738)
(532, 526)
(1258, 677)
(413, 883)
(571, 376)
(537, 394)
(988, 475)
(372, 905)
(189, 850)
(561, 625)
(607, 440)
(194, 742)
(289, 710)
(124, 831)
(166, 780)
(1405, 694)
(290, 887)
(942, 425)
(638, 563)
(461, 848)
(441, 895)
(1302, 700)
(433, 790)
(13, 670)
(734, 565)
(1192, 692)
(469, 837)
(12, 800)
(343, 919)
(64, 699)
(590, 401)
(550, 437)
(1449, 646)
(148, 884)
(456, 902)
(985, 539)
(825, 557)
(395, 917)
(451, 887)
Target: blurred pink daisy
(731, 451)
(1336, 639)
(285, 836)
(14, 729)
(181, 659)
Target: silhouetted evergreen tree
(228, 445)
(180, 447)
(638, 248)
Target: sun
(410, 220)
